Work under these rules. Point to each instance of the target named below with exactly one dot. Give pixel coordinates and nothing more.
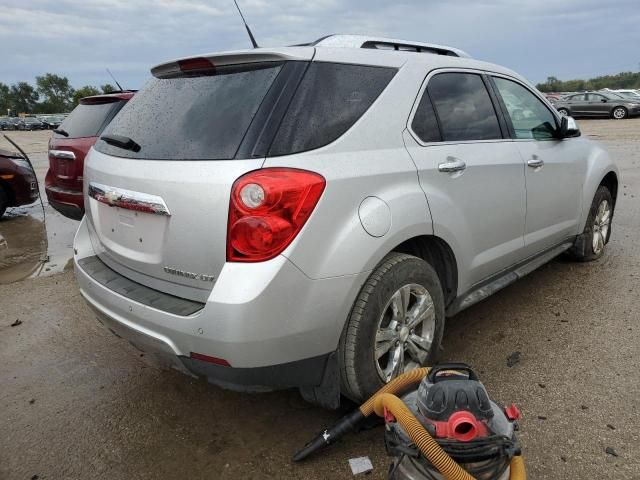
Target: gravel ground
(77, 403)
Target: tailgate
(161, 223)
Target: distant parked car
(17, 181)
(598, 104)
(29, 123)
(13, 123)
(553, 97)
(52, 122)
(6, 124)
(632, 94)
(71, 141)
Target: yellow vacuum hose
(395, 386)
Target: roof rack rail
(381, 43)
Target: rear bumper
(69, 203)
(273, 325)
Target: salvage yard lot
(77, 403)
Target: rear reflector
(193, 64)
(209, 359)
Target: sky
(80, 38)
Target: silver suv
(308, 216)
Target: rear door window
(193, 117)
(464, 107)
(88, 120)
(330, 99)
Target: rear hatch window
(193, 117)
(88, 120)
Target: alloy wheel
(405, 331)
(619, 113)
(601, 225)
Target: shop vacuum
(440, 424)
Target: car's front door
(471, 172)
(554, 168)
(577, 104)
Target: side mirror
(568, 128)
(604, 100)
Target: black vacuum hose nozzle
(330, 435)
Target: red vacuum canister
(454, 407)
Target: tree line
(51, 94)
(624, 80)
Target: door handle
(452, 166)
(535, 163)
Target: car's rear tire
(619, 113)
(564, 112)
(4, 201)
(398, 315)
(591, 244)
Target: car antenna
(114, 79)
(253, 40)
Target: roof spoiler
(176, 68)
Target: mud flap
(327, 394)
(579, 247)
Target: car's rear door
(597, 105)
(472, 174)
(555, 169)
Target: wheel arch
(437, 253)
(601, 170)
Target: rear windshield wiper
(121, 141)
(62, 132)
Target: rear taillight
(268, 209)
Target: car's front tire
(396, 324)
(619, 113)
(564, 112)
(597, 231)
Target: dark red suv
(17, 181)
(71, 141)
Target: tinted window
(577, 98)
(594, 97)
(195, 117)
(529, 116)
(90, 120)
(464, 107)
(425, 124)
(329, 100)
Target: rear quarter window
(88, 120)
(329, 100)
